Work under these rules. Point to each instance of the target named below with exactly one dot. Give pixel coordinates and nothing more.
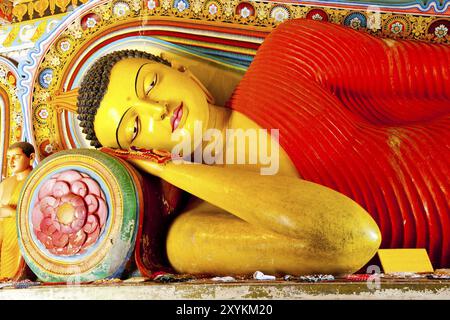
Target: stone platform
(285, 290)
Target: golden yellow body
(241, 221)
(11, 262)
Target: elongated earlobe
(209, 96)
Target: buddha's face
(18, 161)
(145, 103)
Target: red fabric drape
(365, 116)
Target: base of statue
(249, 289)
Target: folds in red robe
(365, 116)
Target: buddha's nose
(157, 109)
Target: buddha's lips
(176, 117)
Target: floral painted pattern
(181, 5)
(65, 45)
(396, 28)
(151, 4)
(213, 9)
(46, 78)
(279, 14)
(317, 17)
(43, 113)
(245, 12)
(91, 22)
(121, 9)
(355, 23)
(441, 31)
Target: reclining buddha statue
(363, 145)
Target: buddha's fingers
(148, 166)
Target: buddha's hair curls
(95, 83)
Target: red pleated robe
(364, 116)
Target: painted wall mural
(6, 12)
(34, 9)
(418, 19)
(17, 39)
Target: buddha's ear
(209, 96)
(174, 63)
(182, 68)
(177, 65)
(32, 156)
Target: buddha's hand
(7, 211)
(150, 160)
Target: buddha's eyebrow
(137, 76)
(118, 126)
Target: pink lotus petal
(36, 217)
(73, 199)
(61, 189)
(48, 211)
(64, 228)
(69, 176)
(46, 189)
(92, 238)
(80, 213)
(84, 175)
(56, 176)
(92, 185)
(79, 188)
(60, 239)
(102, 211)
(71, 250)
(44, 239)
(77, 239)
(47, 226)
(91, 202)
(77, 225)
(49, 201)
(56, 225)
(91, 224)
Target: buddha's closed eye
(151, 85)
(136, 128)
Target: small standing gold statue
(20, 160)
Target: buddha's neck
(218, 117)
(23, 174)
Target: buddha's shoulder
(9, 181)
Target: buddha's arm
(286, 205)
(1, 191)
(7, 211)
